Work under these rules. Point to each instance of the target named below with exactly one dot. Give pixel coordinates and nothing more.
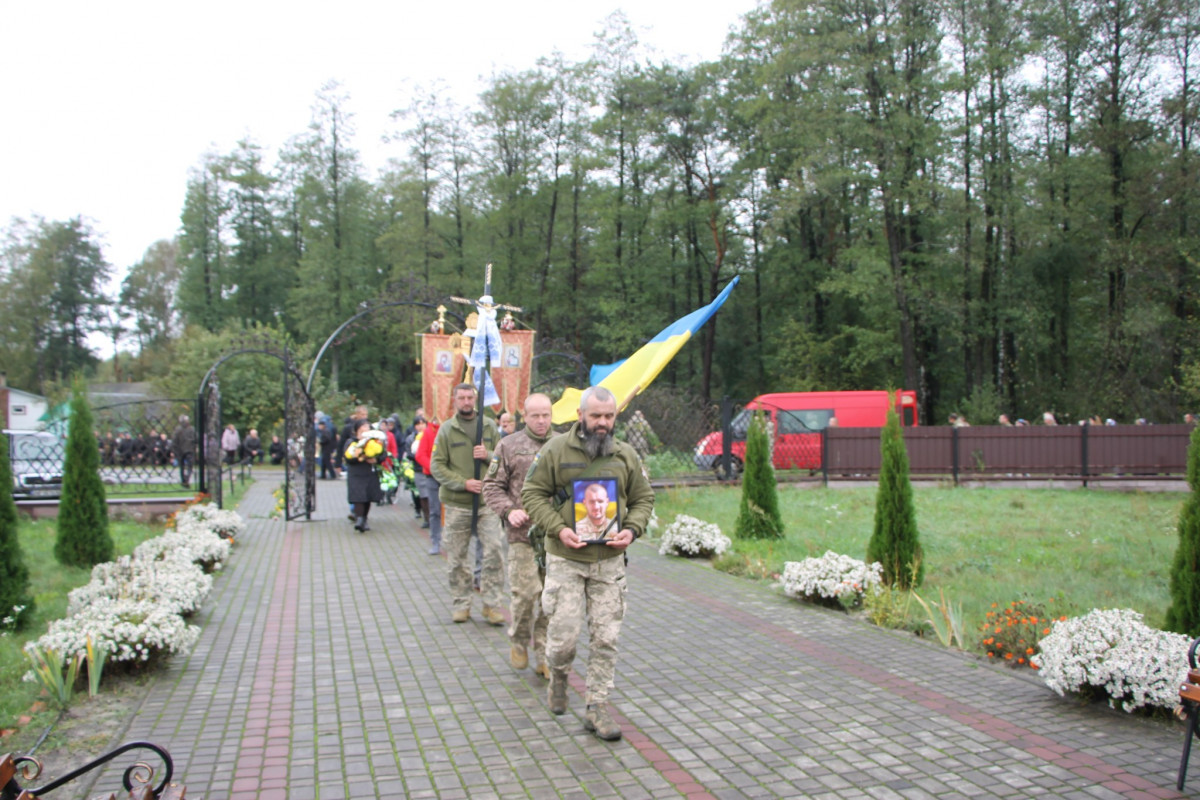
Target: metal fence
(683, 438)
(992, 453)
(136, 443)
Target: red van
(798, 418)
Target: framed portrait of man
(597, 509)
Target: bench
(1189, 699)
(14, 769)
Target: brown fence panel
(983, 453)
(1138, 450)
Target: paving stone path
(328, 668)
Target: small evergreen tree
(83, 538)
(758, 516)
(894, 542)
(14, 575)
(1183, 615)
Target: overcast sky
(108, 104)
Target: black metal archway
(298, 410)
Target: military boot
(519, 656)
(461, 614)
(599, 722)
(493, 616)
(558, 691)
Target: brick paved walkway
(328, 668)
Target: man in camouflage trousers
(453, 465)
(586, 578)
(502, 491)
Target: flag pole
(480, 330)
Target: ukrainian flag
(629, 378)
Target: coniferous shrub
(1183, 615)
(894, 541)
(83, 538)
(14, 575)
(758, 515)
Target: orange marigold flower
(995, 604)
(1045, 631)
(1020, 661)
(998, 630)
(1029, 651)
(991, 654)
(1008, 656)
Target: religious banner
(512, 372)
(443, 363)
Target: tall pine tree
(758, 517)
(83, 538)
(14, 575)
(1184, 614)
(894, 542)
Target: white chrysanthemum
(688, 536)
(175, 582)
(207, 515)
(1114, 651)
(193, 542)
(130, 630)
(831, 577)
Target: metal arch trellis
(369, 308)
(299, 474)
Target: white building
(23, 410)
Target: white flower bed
(133, 607)
(832, 577)
(688, 536)
(1114, 651)
(192, 543)
(176, 583)
(130, 630)
(207, 516)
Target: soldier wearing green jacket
(453, 466)
(586, 578)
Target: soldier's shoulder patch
(493, 468)
(533, 465)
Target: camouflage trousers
(525, 581)
(456, 541)
(576, 588)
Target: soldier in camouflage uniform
(502, 491)
(453, 465)
(586, 578)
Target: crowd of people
(499, 485)
(1049, 418)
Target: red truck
(797, 419)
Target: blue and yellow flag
(629, 378)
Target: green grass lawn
(1088, 549)
(50, 582)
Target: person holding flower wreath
(367, 449)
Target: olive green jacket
(452, 464)
(561, 461)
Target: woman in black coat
(368, 448)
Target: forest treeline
(988, 202)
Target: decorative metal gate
(300, 486)
(301, 477)
(208, 432)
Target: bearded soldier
(583, 578)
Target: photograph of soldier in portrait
(596, 515)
